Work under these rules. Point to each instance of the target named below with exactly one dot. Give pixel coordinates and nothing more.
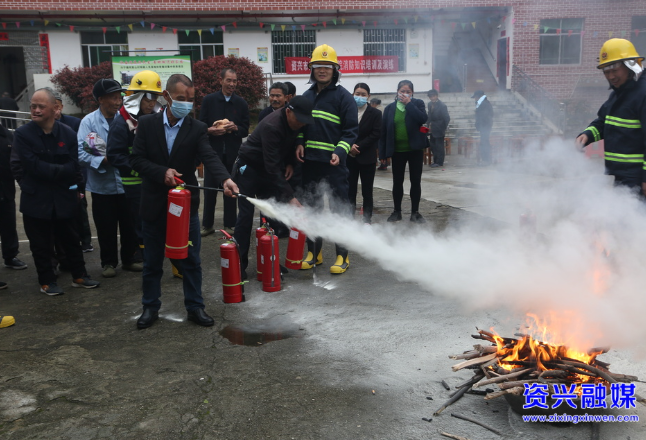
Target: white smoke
(583, 272)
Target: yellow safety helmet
(617, 49)
(145, 81)
(324, 53)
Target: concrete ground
(358, 357)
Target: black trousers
(251, 183)
(437, 148)
(8, 233)
(367, 174)
(133, 196)
(210, 198)
(39, 231)
(484, 152)
(415, 160)
(84, 222)
(316, 175)
(111, 211)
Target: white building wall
(248, 43)
(65, 49)
(154, 40)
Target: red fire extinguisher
(260, 232)
(295, 247)
(269, 255)
(232, 287)
(177, 222)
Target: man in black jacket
(47, 151)
(167, 144)
(8, 232)
(438, 121)
(484, 123)
(225, 138)
(259, 168)
(277, 99)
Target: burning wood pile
(513, 364)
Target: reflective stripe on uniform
(345, 146)
(627, 158)
(644, 166)
(320, 145)
(131, 180)
(626, 123)
(327, 116)
(595, 133)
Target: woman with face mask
(363, 155)
(403, 138)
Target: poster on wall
(124, 68)
(358, 64)
(263, 54)
(413, 50)
(234, 52)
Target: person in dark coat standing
(8, 103)
(167, 144)
(484, 124)
(277, 99)
(438, 122)
(225, 138)
(50, 174)
(403, 140)
(363, 154)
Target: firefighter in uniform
(141, 99)
(621, 120)
(325, 146)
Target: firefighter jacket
(120, 141)
(621, 123)
(336, 124)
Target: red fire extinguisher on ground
(269, 255)
(178, 218)
(260, 232)
(232, 287)
(295, 247)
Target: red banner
(358, 64)
(4, 36)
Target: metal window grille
(291, 44)
(98, 47)
(391, 42)
(560, 41)
(201, 46)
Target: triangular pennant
(303, 27)
(569, 33)
(282, 27)
(513, 21)
(406, 20)
(504, 18)
(535, 26)
(104, 29)
(582, 33)
(343, 21)
(199, 32)
(71, 28)
(363, 23)
(334, 21)
(595, 34)
(524, 23)
(623, 34)
(188, 31)
(46, 22)
(4, 25)
(235, 25)
(164, 28)
(558, 31)
(175, 31)
(273, 26)
(453, 24)
(152, 26)
(130, 26)
(314, 24)
(58, 24)
(637, 32)
(396, 23)
(325, 24)
(463, 25)
(545, 29)
(224, 27)
(374, 23)
(416, 17)
(17, 24)
(294, 27)
(473, 23)
(212, 31)
(610, 34)
(31, 22)
(261, 24)
(489, 20)
(118, 28)
(142, 23)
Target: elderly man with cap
(621, 120)
(484, 124)
(47, 160)
(110, 208)
(325, 146)
(258, 170)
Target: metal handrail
(539, 98)
(7, 118)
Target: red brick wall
(601, 16)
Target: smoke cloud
(582, 273)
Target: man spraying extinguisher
(167, 145)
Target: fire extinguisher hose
(183, 184)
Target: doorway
(13, 75)
(502, 62)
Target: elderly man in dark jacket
(484, 123)
(438, 121)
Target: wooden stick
(469, 419)
(518, 391)
(445, 385)
(454, 437)
(592, 369)
(521, 383)
(480, 360)
(466, 355)
(502, 378)
(468, 383)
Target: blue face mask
(360, 100)
(180, 109)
